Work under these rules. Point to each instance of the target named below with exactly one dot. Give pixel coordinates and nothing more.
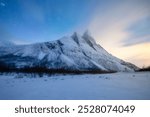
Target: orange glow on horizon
(138, 54)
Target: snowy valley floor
(86, 86)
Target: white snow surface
(121, 85)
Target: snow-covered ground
(86, 86)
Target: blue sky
(115, 24)
(43, 20)
(31, 21)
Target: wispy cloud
(110, 26)
(2, 4)
(137, 40)
(138, 54)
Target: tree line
(43, 69)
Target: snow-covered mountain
(76, 52)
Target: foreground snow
(87, 86)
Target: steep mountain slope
(70, 53)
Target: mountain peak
(87, 32)
(87, 36)
(75, 34)
(76, 37)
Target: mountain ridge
(75, 53)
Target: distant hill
(145, 69)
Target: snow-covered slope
(70, 53)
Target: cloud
(20, 42)
(140, 32)
(138, 54)
(137, 40)
(2, 4)
(110, 26)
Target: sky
(122, 27)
